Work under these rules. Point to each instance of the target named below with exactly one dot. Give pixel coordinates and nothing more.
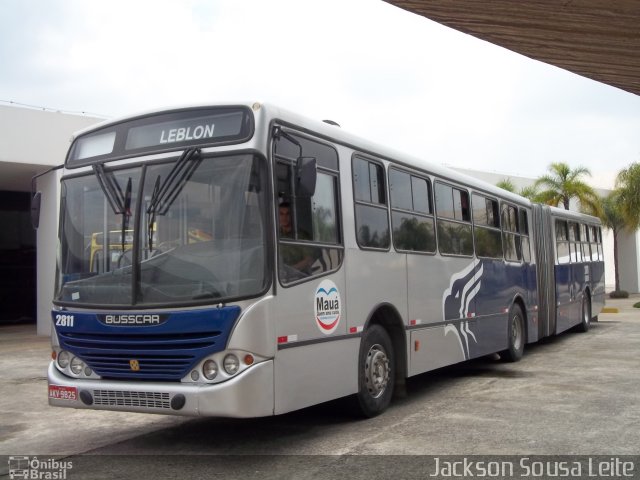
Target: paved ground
(573, 394)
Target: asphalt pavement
(575, 394)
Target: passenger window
(372, 217)
(510, 233)
(412, 223)
(486, 227)
(593, 241)
(562, 242)
(574, 238)
(524, 236)
(453, 220)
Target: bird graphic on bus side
(456, 300)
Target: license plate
(63, 393)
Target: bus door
(563, 276)
(309, 305)
(580, 272)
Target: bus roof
(336, 134)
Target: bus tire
(516, 334)
(376, 372)
(585, 323)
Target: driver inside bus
(295, 256)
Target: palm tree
(563, 184)
(530, 192)
(613, 218)
(506, 184)
(628, 185)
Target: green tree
(628, 187)
(614, 219)
(506, 184)
(563, 183)
(530, 192)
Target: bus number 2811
(64, 320)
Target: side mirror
(306, 175)
(36, 199)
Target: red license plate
(63, 393)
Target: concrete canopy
(598, 39)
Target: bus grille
(117, 398)
(166, 357)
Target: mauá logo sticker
(328, 307)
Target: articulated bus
(258, 262)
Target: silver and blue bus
(240, 260)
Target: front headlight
(210, 369)
(231, 364)
(77, 365)
(63, 359)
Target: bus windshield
(164, 233)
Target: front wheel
(516, 334)
(376, 372)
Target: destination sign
(162, 132)
(187, 130)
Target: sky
(381, 72)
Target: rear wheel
(516, 333)
(586, 314)
(376, 372)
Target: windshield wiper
(165, 193)
(111, 188)
(120, 202)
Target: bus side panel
(597, 288)
(428, 277)
(310, 374)
(563, 279)
(501, 283)
(445, 291)
(533, 309)
(439, 289)
(435, 347)
(316, 360)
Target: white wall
(31, 142)
(629, 248)
(46, 249)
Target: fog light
(210, 369)
(63, 359)
(231, 364)
(195, 375)
(88, 371)
(77, 365)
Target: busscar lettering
(187, 133)
(132, 319)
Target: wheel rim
(376, 371)
(516, 332)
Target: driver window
(308, 227)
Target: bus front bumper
(250, 394)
